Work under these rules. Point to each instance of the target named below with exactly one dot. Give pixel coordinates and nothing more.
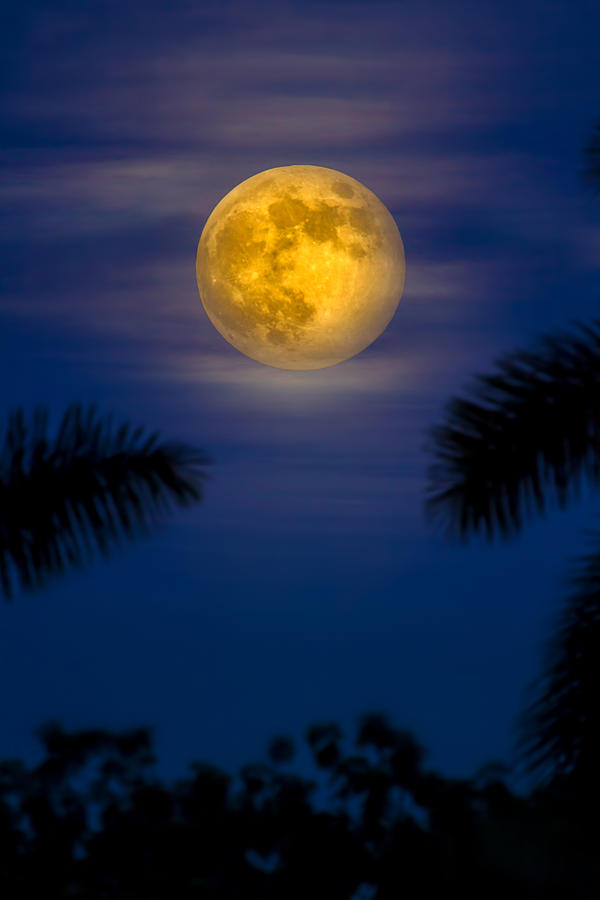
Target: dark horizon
(308, 584)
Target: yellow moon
(300, 267)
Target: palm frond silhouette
(559, 730)
(84, 488)
(520, 438)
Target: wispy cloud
(135, 148)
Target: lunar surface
(300, 267)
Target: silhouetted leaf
(255, 776)
(520, 437)
(84, 488)
(323, 740)
(560, 728)
(374, 730)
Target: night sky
(309, 585)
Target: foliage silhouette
(85, 488)
(93, 820)
(560, 729)
(520, 439)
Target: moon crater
(300, 267)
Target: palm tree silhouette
(85, 488)
(519, 440)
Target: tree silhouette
(84, 488)
(93, 819)
(519, 440)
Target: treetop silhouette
(94, 819)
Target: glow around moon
(300, 267)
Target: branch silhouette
(519, 438)
(85, 488)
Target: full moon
(300, 267)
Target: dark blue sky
(309, 584)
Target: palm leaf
(85, 488)
(520, 438)
(559, 730)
